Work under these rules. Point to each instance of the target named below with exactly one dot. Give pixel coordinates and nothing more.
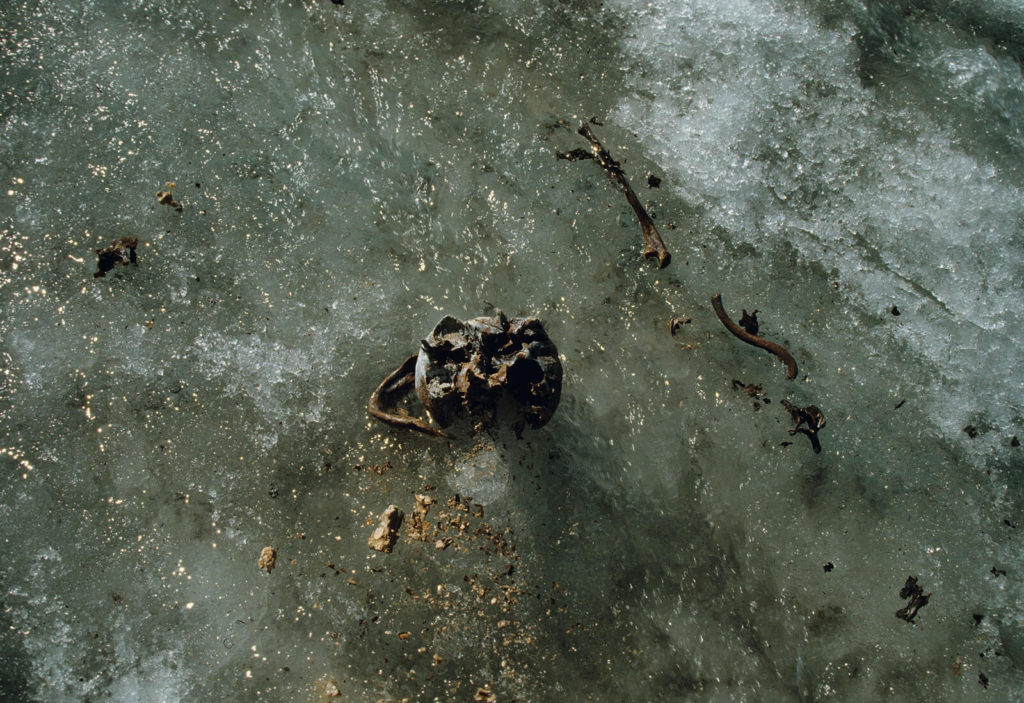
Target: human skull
(489, 366)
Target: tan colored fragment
(385, 534)
(268, 557)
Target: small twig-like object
(392, 389)
(653, 246)
(783, 355)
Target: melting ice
(348, 174)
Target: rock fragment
(385, 534)
(268, 557)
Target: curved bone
(776, 349)
(396, 386)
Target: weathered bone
(391, 390)
(653, 246)
(473, 368)
(478, 369)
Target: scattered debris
(676, 322)
(971, 431)
(268, 557)
(751, 391)
(780, 352)
(653, 181)
(419, 517)
(899, 404)
(378, 469)
(120, 251)
(814, 419)
(385, 534)
(1014, 442)
(977, 618)
(653, 245)
(917, 597)
(982, 679)
(828, 567)
(166, 197)
(895, 311)
(997, 572)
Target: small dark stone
(338, 2)
(1014, 442)
(982, 679)
(977, 619)
(895, 311)
(997, 572)
(971, 431)
(899, 404)
(828, 567)
(653, 181)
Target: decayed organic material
(267, 560)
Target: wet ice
(348, 174)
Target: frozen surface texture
(334, 179)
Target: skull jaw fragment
(482, 370)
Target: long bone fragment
(653, 246)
